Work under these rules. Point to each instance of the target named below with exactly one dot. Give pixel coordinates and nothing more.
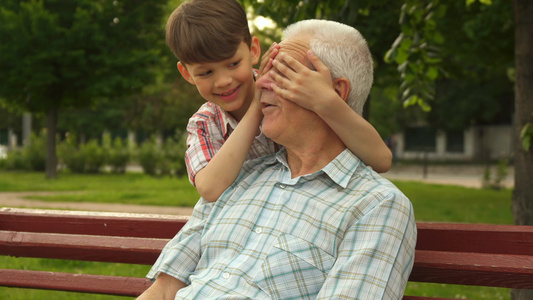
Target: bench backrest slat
(81, 247)
(110, 224)
(479, 238)
(85, 283)
(503, 270)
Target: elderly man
(312, 221)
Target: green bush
(31, 157)
(86, 158)
(173, 155)
(94, 156)
(35, 152)
(149, 156)
(164, 160)
(118, 155)
(16, 161)
(70, 155)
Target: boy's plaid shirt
(208, 130)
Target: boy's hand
(268, 57)
(296, 82)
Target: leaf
(411, 101)
(526, 134)
(432, 73)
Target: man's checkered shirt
(343, 232)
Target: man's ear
(185, 73)
(342, 87)
(255, 50)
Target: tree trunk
(523, 162)
(51, 156)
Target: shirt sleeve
(376, 256)
(180, 255)
(204, 140)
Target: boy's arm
(313, 90)
(224, 167)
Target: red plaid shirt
(208, 130)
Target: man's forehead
(296, 47)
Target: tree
(59, 54)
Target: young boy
(216, 53)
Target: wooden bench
(466, 254)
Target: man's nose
(265, 81)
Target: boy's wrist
(328, 105)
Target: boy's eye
(234, 64)
(204, 73)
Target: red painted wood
(93, 223)
(469, 254)
(97, 284)
(511, 271)
(428, 298)
(480, 238)
(81, 247)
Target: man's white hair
(344, 51)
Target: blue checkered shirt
(343, 232)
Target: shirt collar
(228, 121)
(340, 170)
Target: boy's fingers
(283, 69)
(266, 61)
(281, 81)
(265, 67)
(317, 63)
(281, 92)
(292, 63)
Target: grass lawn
(431, 203)
(131, 188)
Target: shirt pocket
(294, 268)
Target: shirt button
(282, 186)
(225, 275)
(258, 230)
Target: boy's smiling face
(228, 83)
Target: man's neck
(308, 158)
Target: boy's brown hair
(200, 31)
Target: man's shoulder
(366, 179)
(260, 163)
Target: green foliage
(149, 156)
(76, 53)
(15, 161)
(31, 157)
(69, 53)
(94, 155)
(173, 156)
(496, 183)
(118, 154)
(163, 159)
(35, 152)
(469, 42)
(70, 155)
(526, 135)
(84, 158)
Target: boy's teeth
(228, 93)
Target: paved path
(469, 176)
(18, 199)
